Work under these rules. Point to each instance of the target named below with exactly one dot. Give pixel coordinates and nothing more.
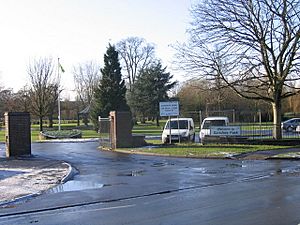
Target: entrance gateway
(116, 131)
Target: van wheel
(165, 141)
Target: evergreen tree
(150, 88)
(109, 94)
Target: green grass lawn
(35, 134)
(197, 150)
(149, 128)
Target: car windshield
(208, 123)
(183, 124)
(290, 121)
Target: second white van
(209, 122)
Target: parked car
(182, 129)
(290, 125)
(209, 122)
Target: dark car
(291, 124)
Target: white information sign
(169, 108)
(225, 131)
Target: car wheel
(289, 129)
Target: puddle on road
(75, 185)
(201, 170)
(133, 173)
(287, 172)
(236, 165)
(161, 164)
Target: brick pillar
(113, 136)
(121, 125)
(17, 134)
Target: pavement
(24, 177)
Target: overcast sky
(79, 30)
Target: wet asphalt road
(113, 188)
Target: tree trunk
(276, 106)
(41, 123)
(78, 120)
(143, 120)
(157, 121)
(50, 121)
(85, 120)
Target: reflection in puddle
(75, 185)
(133, 173)
(236, 165)
(159, 164)
(199, 169)
(288, 172)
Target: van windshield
(208, 123)
(183, 124)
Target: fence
(254, 124)
(264, 131)
(234, 116)
(105, 133)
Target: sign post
(169, 109)
(170, 131)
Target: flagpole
(58, 98)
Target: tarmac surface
(150, 190)
(25, 177)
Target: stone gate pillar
(17, 134)
(121, 125)
(121, 131)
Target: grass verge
(197, 150)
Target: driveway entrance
(114, 188)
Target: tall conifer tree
(150, 88)
(109, 95)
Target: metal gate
(105, 133)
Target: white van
(182, 129)
(209, 122)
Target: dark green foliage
(109, 95)
(150, 88)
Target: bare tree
(6, 100)
(136, 54)
(253, 46)
(22, 99)
(41, 91)
(86, 77)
